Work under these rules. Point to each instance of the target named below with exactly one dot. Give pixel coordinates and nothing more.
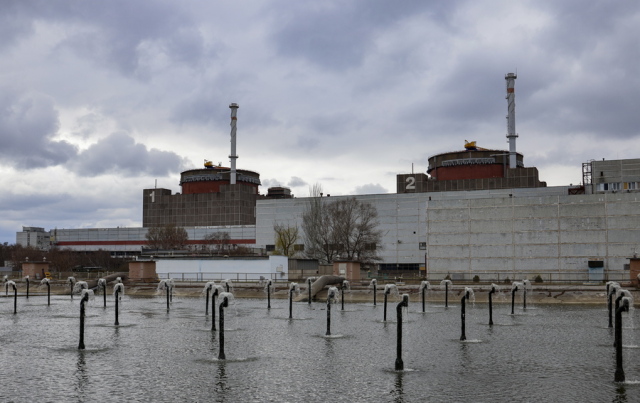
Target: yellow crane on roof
(471, 146)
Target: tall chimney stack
(511, 118)
(234, 110)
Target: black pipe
(375, 290)
(15, 299)
(71, 286)
(206, 311)
(612, 291)
(223, 304)
(226, 284)
(463, 309)
(168, 295)
(446, 294)
(213, 308)
(291, 302)
(48, 293)
(524, 296)
(513, 298)
(342, 296)
(619, 375)
(386, 292)
(423, 292)
(309, 289)
(117, 291)
(83, 301)
(617, 306)
(27, 279)
(493, 289)
(104, 292)
(330, 296)
(403, 303)
(269, 294)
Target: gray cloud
(120, 154)
(369, 188)
(338, 35)
(297, 182)
(28, 126)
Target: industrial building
(475, 212)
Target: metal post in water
(213, 308)
(104, 291)
(403, 303)
(612, 290)
(291, 303)
(375, 290)
(117, 291)
(513, 298)
(463, 309)
(48, 293)
(423, 292)
(83, 301)
(15, 298)
(27, 279)
(385, 304)
(446, 294)
(309, 289)
(493, 289)
(223, 304)
(268, 294)
(206, 311)
(619, 375)
(330, 297)
(168, 295)
(342, 296)
(617, 306)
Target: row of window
(617, 186)
(336, 247)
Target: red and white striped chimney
(234, 110)
(511, 118)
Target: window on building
(423, 245)
(270, 248)
(298, 247)
(370, 246)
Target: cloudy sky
(101, 99)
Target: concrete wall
(402, 217)
(274, 267)
(532, 234)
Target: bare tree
(220, 242)
(286, 238)
(346, 228)
(168, 237)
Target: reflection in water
(82, 377)
(221, 382)
(621, 394)
(398, 392)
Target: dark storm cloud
(28, 125)
(338, 34)
(120, 154)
